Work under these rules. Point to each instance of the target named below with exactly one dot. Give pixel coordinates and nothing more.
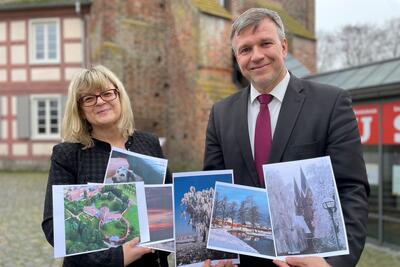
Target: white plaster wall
(14, 105)
(19, 149)
(3, 150)
(3, 55)
(3, 34)
(18, 75)
(42, 149)
(73, 52)
(4, 129)
(3, 75)
(18, 30)
(72, 28)
(45, 74)
(14, 130)
(69, 73)
(18, 54)
(4, 105)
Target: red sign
(391, 123)
(367, 118)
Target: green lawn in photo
(132, 216)
(83, 232)
(102, 203)
(114, 228)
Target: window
(44, 41)
(46, 112)
(225, 3)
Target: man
(305, 120)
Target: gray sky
(332, 14)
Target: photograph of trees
(193, 194)
(305, 208)
(240, 221)
(99, 216)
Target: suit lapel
(242, 134)
(290, 109)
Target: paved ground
(22, 242)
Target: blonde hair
(74, 127)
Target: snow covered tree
(196, 206)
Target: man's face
(260, 54)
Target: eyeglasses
(91, 100)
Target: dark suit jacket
(315, 120)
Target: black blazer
(315, 120)
(72, 165)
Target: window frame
(34, 99)
(32, 41)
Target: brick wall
(304, 50)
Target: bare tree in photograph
(216, 207)
(220, 207)
(242, 213)
(224, 208)
(196, 206)
(232, 211)
(254, 213)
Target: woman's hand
(302, 262)
(221, 263)
(133, 252)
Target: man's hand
(133, 252)
(302, 262)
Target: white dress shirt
(274, 107)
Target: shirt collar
(278, 92)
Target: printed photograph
(126, 166)
(240, 221)
(168, 246)
(160, 212)
(96, 217)
(305, 209)
(193, 196)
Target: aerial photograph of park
(99, 216)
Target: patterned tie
(263, 136)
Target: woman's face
(104, 114)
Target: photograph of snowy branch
(193, 195)
(240, 221)
(126, 166)
(161, 215)
(94, 217)
(305, 209)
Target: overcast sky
(332, 14)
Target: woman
(98, 115)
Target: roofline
(352, 67)
(381, 91)
(23, 6)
